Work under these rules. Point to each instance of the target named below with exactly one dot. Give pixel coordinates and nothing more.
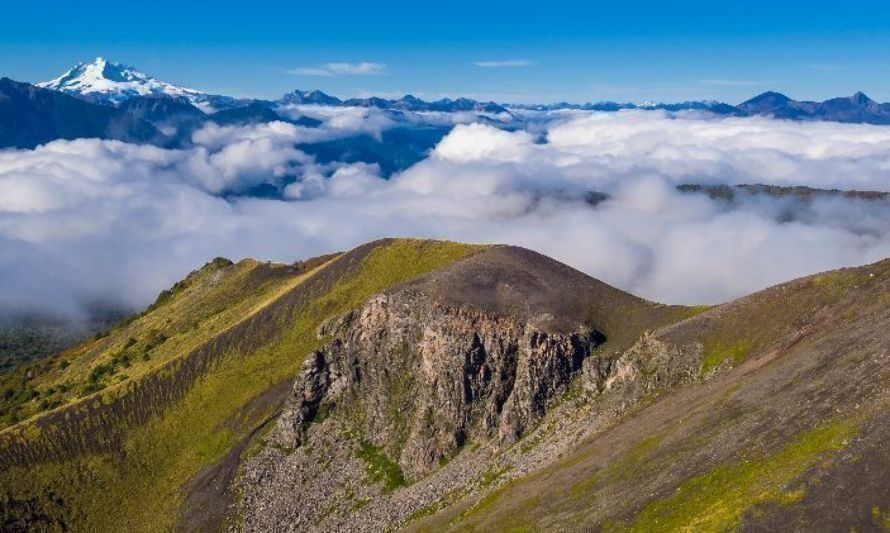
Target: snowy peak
(106, 82)
(97, 72)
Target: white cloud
(508, 63)
(340, 121)
(364, 68)
(361, 69)
(86, 220)
(481, 143)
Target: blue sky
(537, 52)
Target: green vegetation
(715, 353)
(493, 474)
(380, 468)
(783, 311)
(694, 310)
(714, 501)
(627, 462)
(212, 303)
(20, 396)
(108, 434)
(838, 281)
(141, 488)
(516, 521)
(880, 518)
(155, 339)
(22, 344)
(790, 323)
(218, 263)
(717, 500)
(28, 339)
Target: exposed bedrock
(421, 380)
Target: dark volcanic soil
(851, 494)
(209, 496)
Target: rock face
(458, 399)
(441, 385)
(421, 380)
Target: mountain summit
(313, 97)
(105, 82)
(114, 83)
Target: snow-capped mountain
(105, 82)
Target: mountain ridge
(30, 116)
(839, 403)
(534, 358)
(121, 82)
(134, 107)
(858, 108)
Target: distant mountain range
(31, 116)
(405, 103)
(718, 108)
(858, 108)
(109, 100)
(110, 83)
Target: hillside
(30, 116)
(135, 421)
(782, 424)
(434, 385)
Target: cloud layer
(89, 220)
(506, 63)
(365, 68)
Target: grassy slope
(809, 375)
(257, 338)
(206, 302)
(249, 326)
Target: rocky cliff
(463, 362)
(437, 386)
(460, 399)
(421, 380)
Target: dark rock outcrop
(421, 380)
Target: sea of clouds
(90, 221)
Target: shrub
(99, 371)
(154, 341)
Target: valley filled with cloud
(89, 220)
